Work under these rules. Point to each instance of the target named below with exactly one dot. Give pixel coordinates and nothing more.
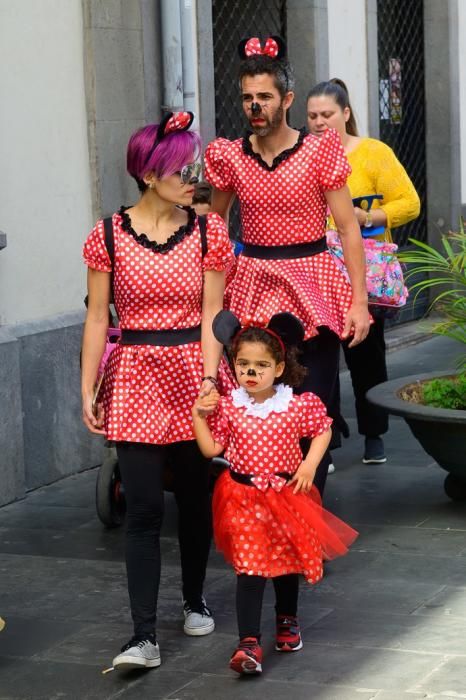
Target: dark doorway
(233, 21)
(400, 25)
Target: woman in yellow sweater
(375, 170)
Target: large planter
(441, 431)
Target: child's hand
(205, 405)
(303, 478)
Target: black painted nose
(255, 108)
(251, 372)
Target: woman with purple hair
(168, 280)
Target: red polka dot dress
(284, 204)
(262, 528)
(148, 390)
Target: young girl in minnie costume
(268, 517)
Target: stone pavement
(387, 622)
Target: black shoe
(374, 452)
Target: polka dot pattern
(148, 390)
(262, 446)
(264, 529)
(284, 206)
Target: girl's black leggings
(142, 468)
(249, 595)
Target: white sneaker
(197, 621)
(331, 468)
(138, 653)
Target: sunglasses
(189, 173)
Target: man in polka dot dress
(285, 180)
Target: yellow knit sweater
(376, 170)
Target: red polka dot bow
(172, 122)
(263, 481)
(253, 47)
(274, 47)
(177, 121)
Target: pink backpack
(384, 276)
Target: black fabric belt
(284, 252)
(247, 478)
(180, 336)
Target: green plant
(446, 392)
(447, 277)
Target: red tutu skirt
(270, 533)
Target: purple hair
(170, 155)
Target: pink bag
(384, 276)
(113, 338)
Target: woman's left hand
(206, 404)
(357, 323)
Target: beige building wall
(348, 53)
(45, 199)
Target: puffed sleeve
(314, 418)
(218, 424)
(95, 251)
(218, 170)
(332, 164)
(219, 254)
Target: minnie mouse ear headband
(171, 123)
(285, 327)
(274, 47)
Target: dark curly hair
(293, 373)
(280, 70)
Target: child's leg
(249, 595)
(286, 593)
(247, 657)
(288, 633)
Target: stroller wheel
(109, 496)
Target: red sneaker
(288, 634)
(248, 657)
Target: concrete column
(373, 100)
(115, 94)
(11, 420)
(442, 117)
(152, 57)
(307, 30)
(206, 76)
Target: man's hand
(357, 323)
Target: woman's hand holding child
(205, 405)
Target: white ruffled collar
(277, 403)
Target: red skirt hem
(270, 533)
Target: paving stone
(448, 602)
(258, 688)
(362, 628)
(446, 681)
(353, 666)
(58, 681)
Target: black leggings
(321, 356)
(142, 468)
(367, 365)
(249, 595)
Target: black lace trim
(247, 149)
(170, 243)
